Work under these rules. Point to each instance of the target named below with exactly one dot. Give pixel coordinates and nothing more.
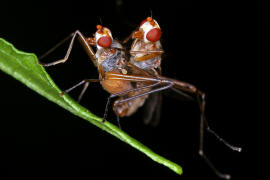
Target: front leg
(83, 42)
(131, 36)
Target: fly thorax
(144, 47)
(109, 58)
(108, 63)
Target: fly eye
(153, 35)
(104, 41)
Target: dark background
(217, 47)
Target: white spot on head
(146, 27)
(101, 33)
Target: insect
(146, 51)
(116, 75)
(133, 79)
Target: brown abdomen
(115, 86)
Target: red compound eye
(153, 35)
(105, 41)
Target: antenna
(100, 21)
(151, 13)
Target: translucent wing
(152, 109)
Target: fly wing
(152, 109)
(179, 94)
(184, 90)
(134, 70)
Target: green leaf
(25, 68)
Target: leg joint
(169, 82)
(201, 153)
(201, 94)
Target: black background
(217, 47)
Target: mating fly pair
(136, 75)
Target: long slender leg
(139, 95)
(146, 93)
(135, 96)
(135, 89)
(122, 93)
(71, 88)
(118, 121)
(201, 100)
(167, 86)
(56, 46)
(86, 82)
(202, 108)
(185, 87)
(179, 85)
(83, 91)
(182, 86)
(133, 78)
(183, 94)
(82, 40)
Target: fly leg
(163, 87)
(121, 94)
(82, 40)
(86, 83)
(186, 87)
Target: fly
(133, 79)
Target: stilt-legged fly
(146, 51)
(132, 79)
